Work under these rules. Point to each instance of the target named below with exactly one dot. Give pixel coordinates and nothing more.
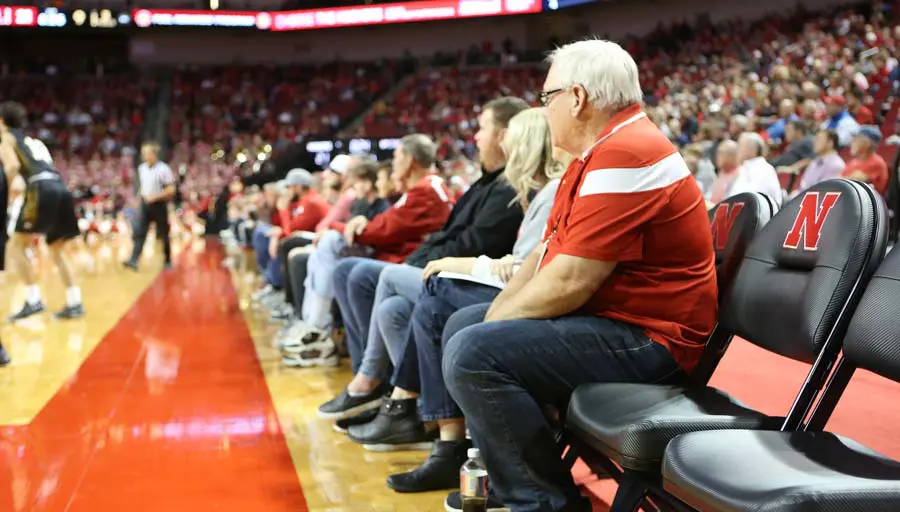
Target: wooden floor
(169, 396)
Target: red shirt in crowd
(631, 200)
(304, 214)
(874, 167)
(422, 210)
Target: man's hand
(458, 265)
(283, 202)
(504, 268)
(354, 227)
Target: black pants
(294, 271)
(158, 214)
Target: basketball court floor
(169, 396)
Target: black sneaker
(4, 356)
(454, 502)
(440, 470)
(345, 406)
(360, 419)
(131, 265)
(27, 310)
(167, 265)
(397, 427)
(70, 312)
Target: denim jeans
(399, 286)
(502, 373)
(319, 285)
(260, 243)
(355, 281)
(441, 298)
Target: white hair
(605, 70)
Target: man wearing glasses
(622, 289)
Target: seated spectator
(485, 221)
(702, 169)
(530, 166)
(743, 168)
(799, 151)
(389, 237)
(840, 120)
(827, 163)
(867, 165)
(787, 112)
(622, 290)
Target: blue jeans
(441, 298)
(319, 284)
(399, 286)
(502, 373)
(355, 281)
(260, 243)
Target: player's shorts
(49, 209)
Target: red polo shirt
(874, 167)
(631, 199)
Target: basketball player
(4, 198)
(48, 210)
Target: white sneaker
(312, 338)
(263, 293)
(321, 356)
(273, 300)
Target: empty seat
(792, 296)
(810, 471)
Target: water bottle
(473, 482)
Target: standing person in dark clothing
(4, 200)
(157, 188)
(48, 210)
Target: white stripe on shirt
(662, 174)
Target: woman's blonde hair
(529, 154)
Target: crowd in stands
(383, 263)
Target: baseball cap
(297, 177)
(871, 132)
(340, 164)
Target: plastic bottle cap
(473, 453)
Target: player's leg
(64, 229)
(4, 355)
(18, 257)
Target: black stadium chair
(809, 470)
(793, 295)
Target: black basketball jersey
(33, 155)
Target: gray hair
(420, 148)
(606, 71)
(756, 140)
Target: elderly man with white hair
(755, 174)
(622, 289)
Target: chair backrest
(803, 275)
(872, 341)
(735, 222)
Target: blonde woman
(530, 167)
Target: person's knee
(365, 275)
(332, 241)
(342, 272)
(394, 311)
(463, 318)
(467, 354)
(427, 317)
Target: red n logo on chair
(722, 222)
(810, 220)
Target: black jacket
(482, 222)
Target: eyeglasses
(545, 96)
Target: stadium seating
(799, 282)
(811, 469)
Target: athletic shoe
(440, 470)
(272, 300)
(283, 312)
(398, 427)
(70, 312)
(341, 426)
(262, 293)
(346, 405)
(313, 357)
(310, 339)
(27, 310)
(454, 503)
(131, 265)
(167, 265)
(290, 332)
(4, 356)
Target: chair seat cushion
(739, 470)
(632, 423)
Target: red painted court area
(170, 412)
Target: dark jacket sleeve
(492, 233)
